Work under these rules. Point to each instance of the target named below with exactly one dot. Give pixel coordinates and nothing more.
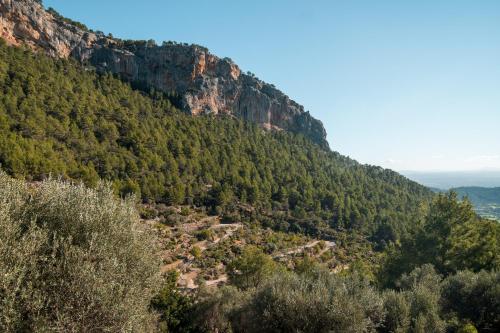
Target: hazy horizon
(445, 180)
(403, 85)
(479, 170)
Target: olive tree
(73, 259)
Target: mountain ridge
(204, 82)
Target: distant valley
(485, 200)
(446, 180)
(481, 187)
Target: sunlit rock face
(204, 82)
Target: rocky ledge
(204, 82)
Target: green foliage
(422, 291)
(196, 252)
(73, 260)
(398, 312)
(289, 302)
(467, 328)
(174, 307)
(312, 299)
(251, 268)
(223, 311)
(474, 245)
(451, 238)
(66, 20)
(322, 303)
(58, 118)
(474, 298)
(460, 302)
(416, 307)
(205, 234)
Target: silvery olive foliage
(313, 301)
(73, 259)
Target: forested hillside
(119, 212)
(58, 118)
(479, 195)
(355, 248)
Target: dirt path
(221, 279)
(187, 280)
(191, 227)
(169, 267)
(301, 249)
(231, 230)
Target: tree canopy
(58, 117)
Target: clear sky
(409, 85)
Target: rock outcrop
(204, 82)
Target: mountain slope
(203, 82)
(58, 118)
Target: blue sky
(409, 85)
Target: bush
(312, 299)
(416, 308)
(73, 259)
(474, 297)
(467, 328)
(174, 307)
(326, 303)
(205, 234)
(185, 211)
(288, 302)
(398, 316)
(196, 252)
(251, 268)
(148, 213)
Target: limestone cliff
(204, 82)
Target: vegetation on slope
(58, 118)
(447, 283)
(73, 259)
(314, 300)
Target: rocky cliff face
(204, 82)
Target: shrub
(398, 316)
(251, 268)
(148, 213)
(326, 303)
(474, 297)
(288, 302)
(422, 291)
(196, 252)
(205, 234)
(185, 211)
(467, 328)
(174, 307)
(73, 259)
